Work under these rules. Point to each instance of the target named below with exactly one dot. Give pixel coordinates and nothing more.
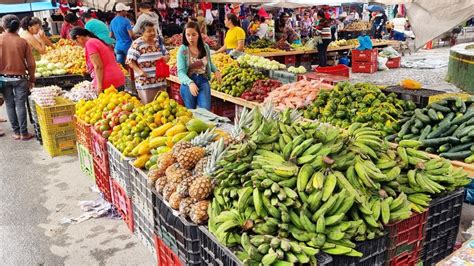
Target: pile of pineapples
(183, 175)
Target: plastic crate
(405, 237)
(86, 161)
(394, 62)
(420, 97)
(37, 129)
(99, 150)
(102, 180)
(120, 168)
(338, 70)
(57, 117)
(368, 56)
(364, 67)
(444, 216)
(122, 203)
(174, 91)
(375, 253)
(185, 233)
(64, 81)
(142, 196)
(83, 133)
(32, 105)
(290, 60)
(143, 228)
(59, 143)
(284, 76)
(165, 256)
(223, 108)
(214, 253)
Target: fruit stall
(312, 169)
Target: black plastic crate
(37, 128)
(445, 208)
(375, 252)
(436, 250)
(184, 232)
(420, 97)
(143, 228)
(120, 168)
(215, 254)
(141, 192)
(65, 82)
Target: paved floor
(36, 192)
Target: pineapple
(201, 140)
(201, 188)
(198, 213)
(178, 175)
(171, 169)
(199, 168)
(160, 184)
(153, 175)
(181, 146)
(237, 134)
(169, 189)
(164, 161)
(185, 206)
(188, 158)
(183, 187)
(175, 200)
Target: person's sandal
(16, 136)
(27, 137)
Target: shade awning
(26, 7)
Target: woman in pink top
(100, 60)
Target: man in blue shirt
(121, 29)
(99, 28)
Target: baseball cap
(121, 7)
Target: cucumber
(470, 122)
(444, 148)
(450, 131)
(430, 150)
(460, 127)
(440, 130)
(469, 159)
(460, 155)
(467, 139)
(462, 147)
(404, 120)
(440, 115)
(424, 118)
(425, 132)
(405, 128)
(464, 131)
(409, 136)
(391, 138)
(440, 141)
(462, 118)
(439, 107)
(433, 115)
(418, 123)
(472, 148)
(414, 130)
(448, 117)
(458, 102)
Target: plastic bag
(469, 193)
(162, 69)
(364, 43)
(381, 61)
(390, 52)
(209, 18)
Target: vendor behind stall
(285, 30)
(235, 36)
(70, 21)
(323, 29)
(32, 33)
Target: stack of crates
(57, 127)
(34, 118)
(84, 142)
(364, 61)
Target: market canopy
(17, 7)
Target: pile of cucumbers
(445, 127)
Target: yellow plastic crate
(58, 116)
(60, 142)
(439, 97)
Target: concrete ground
(36, 192)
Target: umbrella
(373, 8)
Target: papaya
(162, 149)
(179, 137)
(158, 142)
(191, 135)
(178, 128)
(197, 125)
(161, 130)
(144, 147)
(141, 161)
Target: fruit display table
(66, 82)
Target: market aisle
(36, 192)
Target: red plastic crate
(174, 92)
(364, 56)
(99, 151)
(102, 180)
(338, 70)
(306, 58)
(290, 60)
(358, 67)
(407, 258)
(325, 78)
(223, 108)
(394, 62)
(165, 256)
(83, 133)
(122, 203)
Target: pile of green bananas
(236, 80)
(361, 102)
(299, 188)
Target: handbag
(162, 69)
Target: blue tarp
(26, 7)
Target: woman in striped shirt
(142, 57)
(324, 30)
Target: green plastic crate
(86, 161)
